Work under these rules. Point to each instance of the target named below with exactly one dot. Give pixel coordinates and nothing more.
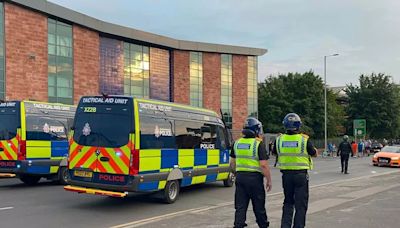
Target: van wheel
(63, 175)
(171, 191)
(30, 180)
(230, 181)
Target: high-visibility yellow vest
(292, 152)
(246, 151)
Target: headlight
(395, 158)
(375, 156)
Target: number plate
(86, 174)
(383, 161)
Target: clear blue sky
(297, 33)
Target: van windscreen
(103, 124)
(9, 120)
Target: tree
(376, 99)
(302, 94)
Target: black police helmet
(253, 125)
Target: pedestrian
(294, 160)
(367, 146)
(354, 148)
(344, 152)
(249, 159)
(330, 149)
(361, 149)
(271, 146)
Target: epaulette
(305, 136)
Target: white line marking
(206, 208)
(6, 208)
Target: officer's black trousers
(250, 186)
(295, 188)
(344, 159)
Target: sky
(297, 33)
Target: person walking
(294, 159)
(354, 148)
(249, 159)
(361, 149)
(344, 151)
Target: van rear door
(10, 124)
(103, 132)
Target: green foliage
(302, 94)
(377, 101)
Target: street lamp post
(326, 127)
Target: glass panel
(60, 62)
(137, 66)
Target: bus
(33, 140)
(124, 144)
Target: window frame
(140, 56)
(226, 78)
(62, 57)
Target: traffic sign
(360, 127)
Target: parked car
(376, 147)
(388, 156)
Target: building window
(226, 88)
(136, 70)
(252, 104)
(60, 66)
(196, 79)
(2, 59)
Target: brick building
(51, 53)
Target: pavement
(371, 201)
(48, 205)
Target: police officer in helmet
(344, 151)
(249, 159)
(294, 159)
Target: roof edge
(75, 17)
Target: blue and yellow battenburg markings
(164, 160)
(45, 150)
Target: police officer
(344, 151)
(294, 150)
(250, 160)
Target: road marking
(154, 219)
(206, 208)
(6, 208)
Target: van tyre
(230, 181)
(63, 175)
(171, 191)
(30, 180)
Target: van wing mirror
(229, 138)
(70, 123)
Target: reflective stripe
(294, 164)
(245, 156)
(234, 146)
(302, 144)
(293, 155)
(255, 149)
(278, 147)
(249, 167)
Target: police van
(124, 144)
(33, 140)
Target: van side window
(156, 133)
(188, 134)
(221, 138)
(195, 135)
(208, 136)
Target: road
(48, 205)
